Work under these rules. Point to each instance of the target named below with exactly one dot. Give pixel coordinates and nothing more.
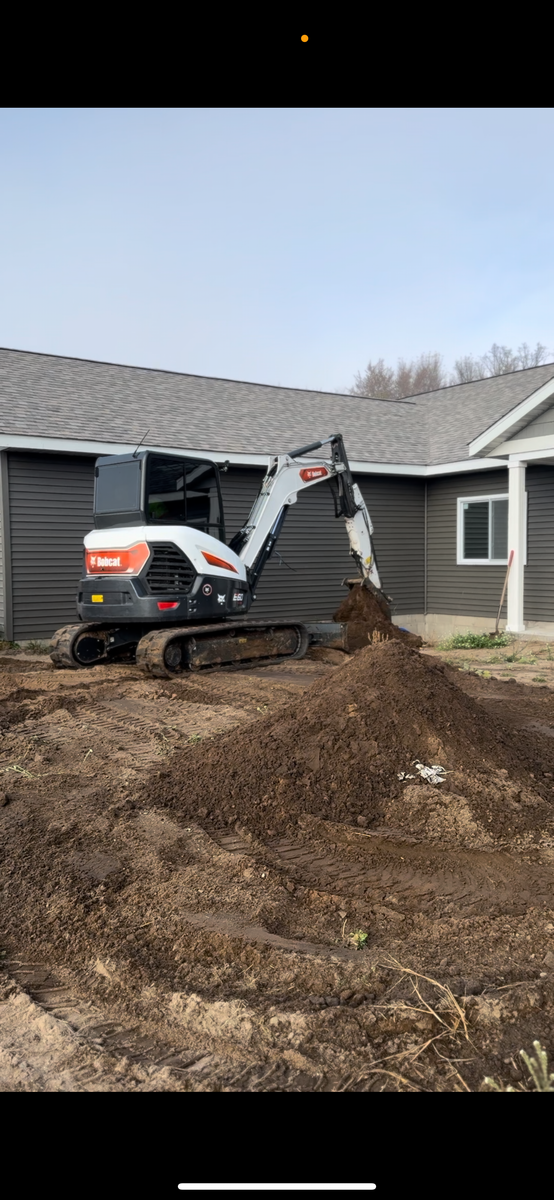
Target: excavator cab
(150, 488)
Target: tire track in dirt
(142, 1058)
(421, 874)
(233, 926)
(85, 1048)
(130, 725)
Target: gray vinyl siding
(397, 510)
(475, 590)
(2, 627)
(542, 425)
(51, 499)
(472, 591)
(315, 545)
(50, 506)
(539, 572)
(2, 552)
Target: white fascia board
(81, 446)
(466, 464)
(78, 446)
(523, 412)
(377, 468)
(540, 445)
(426, 472)
(531, 456)
(441, 468)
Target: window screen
(499, 531)
(476, 530)
(485, 530)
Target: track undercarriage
(170, 651)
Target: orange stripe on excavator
(129, 561)
(218, 562)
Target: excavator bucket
(383, 601)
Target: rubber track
(62, 643)
(151, 648)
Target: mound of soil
(156, 950)
(337, 753)
(367, 621)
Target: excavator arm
(288, 474)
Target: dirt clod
(368, 620)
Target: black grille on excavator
(170, 570)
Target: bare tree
(499, 360)
(466, 369)
(423, 374)
(427, 374)
(377, 380)
(531, 358)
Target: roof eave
(97, 448)
(511, 423)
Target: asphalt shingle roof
(457, 415)
(49, 396)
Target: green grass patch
(37, 648)
(473, 641)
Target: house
(453, 479)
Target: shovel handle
(504, 590)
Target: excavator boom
(289, 474)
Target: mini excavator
(160, 583)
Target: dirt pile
(163, 948)
(337, 753)
(365, 618)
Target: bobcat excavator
(161, 585)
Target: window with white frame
(483, 529)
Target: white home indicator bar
(277, 1187)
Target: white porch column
(516, 542)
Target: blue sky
(284, 246)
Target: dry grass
(450, 1021)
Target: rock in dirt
(367, 620)
(105, 969)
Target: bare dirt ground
(219, 883)
(526, 661)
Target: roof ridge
(481, 379)
(100, 362)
